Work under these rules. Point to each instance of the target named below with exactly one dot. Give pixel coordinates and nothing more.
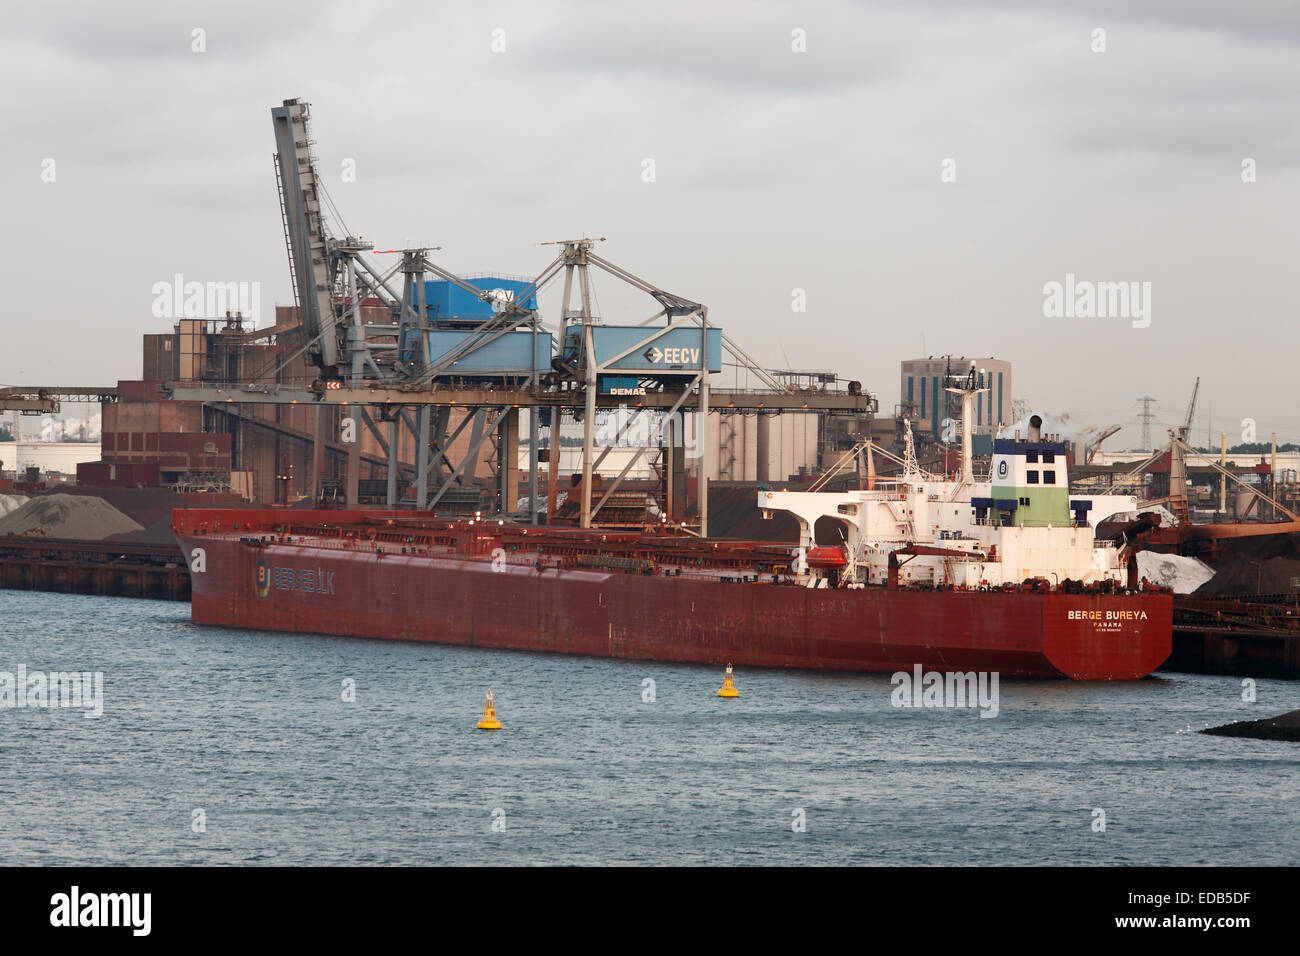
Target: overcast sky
(774, 170)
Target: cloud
(143, 32)
(754, 49)
(774, 169)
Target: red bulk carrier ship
(1002, 576)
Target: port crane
(1092, 447)
(387, 371)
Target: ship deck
(425, 535)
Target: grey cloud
(745, 48)
(774, 169)
(136, 32)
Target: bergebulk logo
(263, 578)
(310, 580)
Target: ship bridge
(967, 533)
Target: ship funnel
(1035, 427)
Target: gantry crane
(392, 366)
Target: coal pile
(1242, 576)
(734, 514)
(1264, 546)
(1285, 727)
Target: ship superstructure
(1016, 524)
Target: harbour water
(239, 747)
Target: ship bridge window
(1049, 457)
(1049, 477)
(1031, 477)
(1031, 456)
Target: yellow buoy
(489, 720)
(728, 688)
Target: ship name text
(298, 579)
(1107, 615)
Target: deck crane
(1191, 411)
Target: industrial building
(48, 458)
(922, 396)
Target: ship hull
(472, 602)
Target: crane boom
(1191, 407)
(305, 226)
(1091, 448)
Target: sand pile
(10, 503)
(144, 505)
(81, 517)
(1184, 575)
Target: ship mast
(969, 387)
(910, 467)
